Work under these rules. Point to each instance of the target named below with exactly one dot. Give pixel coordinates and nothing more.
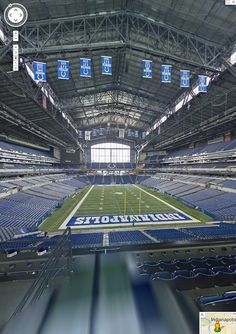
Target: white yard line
(166, 203)
(66, 221)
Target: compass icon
(15, 15)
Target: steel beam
(116, 118)
(204, 127)
(13, 117)
(114, 97)
(118, 29)
(34, 93)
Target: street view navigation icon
(15, 15)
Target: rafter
(118, 29)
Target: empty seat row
(198, 278)
(190, 264)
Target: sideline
(66, 221)
(194, 220)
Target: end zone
(146, 219)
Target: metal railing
(49, 271)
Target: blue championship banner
(202, 84)
(63, 69)
(130, 220)
(184, 78)
(130, 133)
(94, 132)
(40, 71)
(147, 69)
(166, 73)
(85, 67)
(106, 65)
(102, 132)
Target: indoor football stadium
(118, 167)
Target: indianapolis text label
(130, 220)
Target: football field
(116, 206)
(120, 199)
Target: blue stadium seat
(232, 268)
(184, 282)
(182, 272)
(203, 279)
(228, 261)
(218, 269)
(128, 237)
(229, 294)
(204, 271)
(163, 276)
(224, 278)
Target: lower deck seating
(221, 230)
(225, 301)
(87, 240)
(170, 235)
(128, 237)
(218, 203)
(6, 234)
(30, 207)
(167, 235)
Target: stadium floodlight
(15, 15)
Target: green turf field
(117, 200)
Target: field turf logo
(130, 220)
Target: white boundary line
(66, 221)
(139, 225)
(194, 220)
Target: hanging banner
(166, 73)
(202, 84)
(40, 71)
(63, 67)
(94, 132)
(102, 132)
(80, 134)
(121, 133)
(106, 65)
(147, 69)
(87, 135)
(85, 67)
(144, 135)
(184, 78)
(129, 133)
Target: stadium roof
(187, 34)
